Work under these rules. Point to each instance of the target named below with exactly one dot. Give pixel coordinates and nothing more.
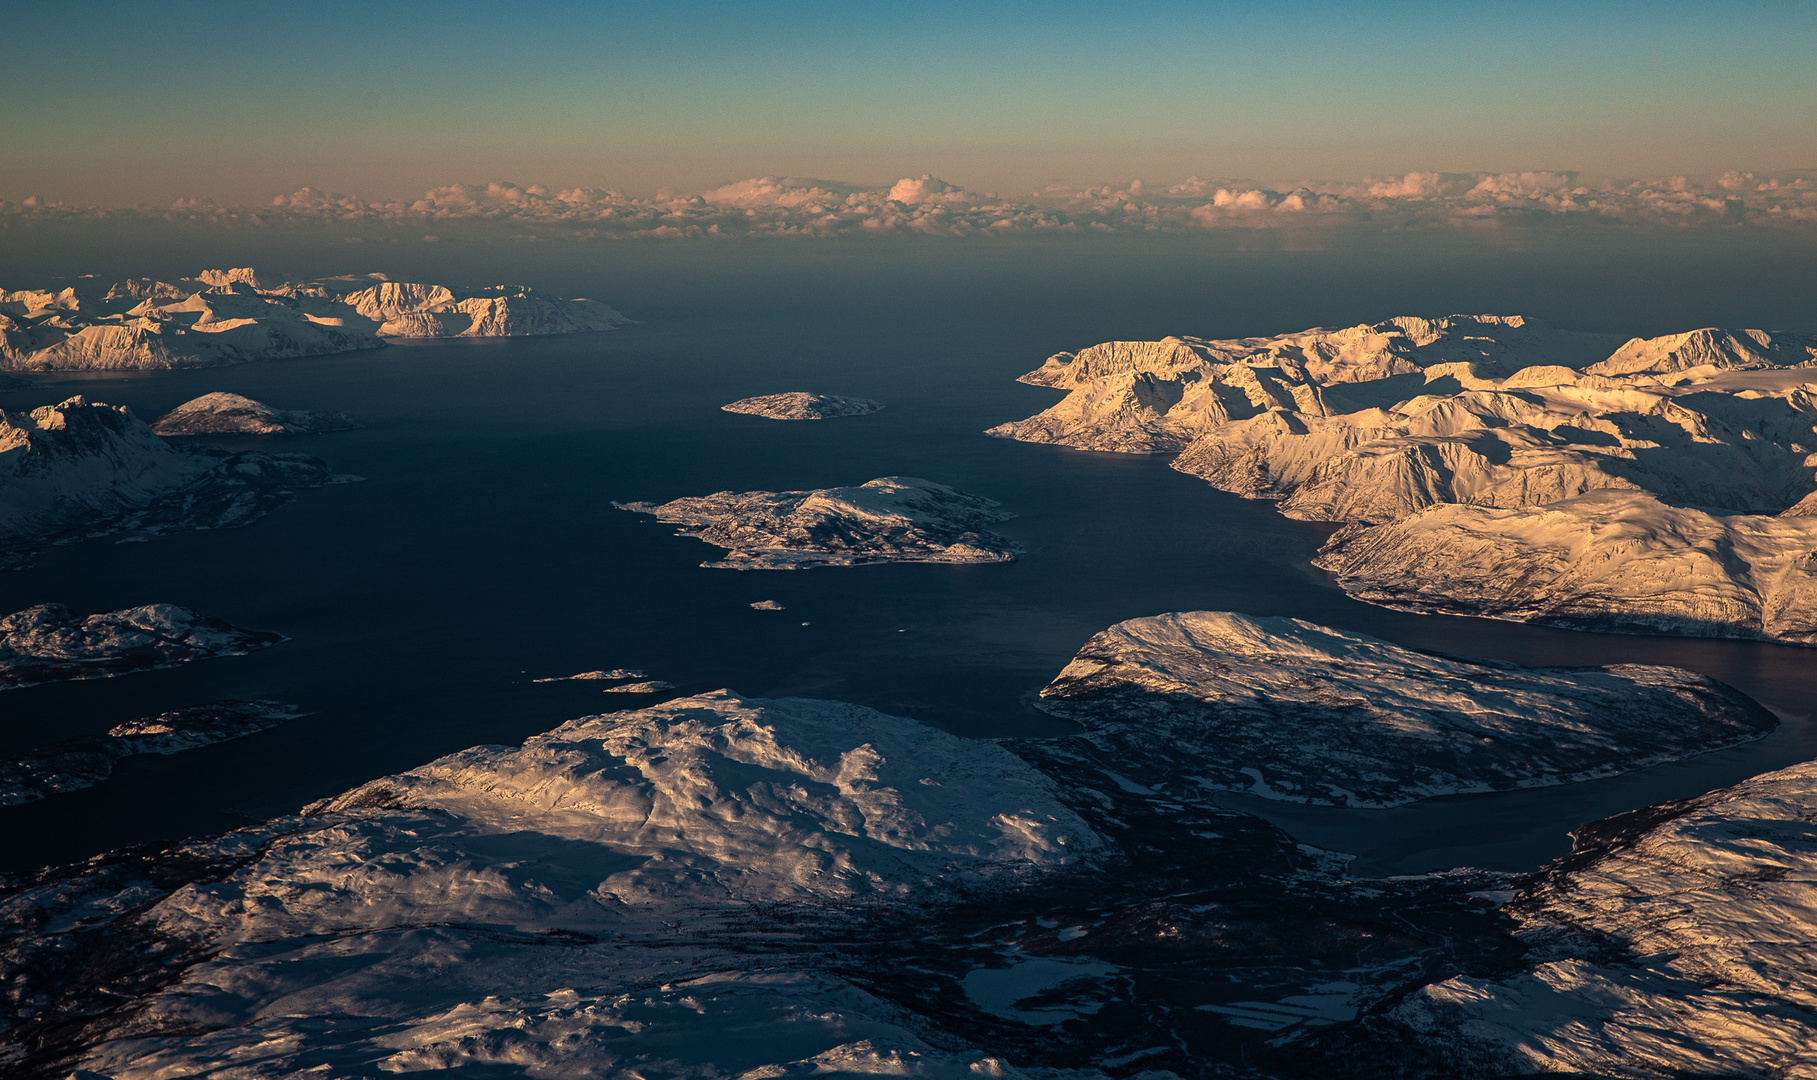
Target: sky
(141, 104)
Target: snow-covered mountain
(1424, 418)
(170, 328)
(232, 414)
(1609, 560)
(232, 316)
(1289, 710)
(1157, 396)
(890, 519)
(564, 907)
(78, 469)
(47, 643)
(721, 886)
(1353, 354)
(1709, 347)
(800, 405)
(1522, 443)
(409, 310)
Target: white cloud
(1415, 185)
(925, 205)
(925, 189)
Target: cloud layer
(787, 206)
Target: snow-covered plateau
(1288, 710)
(620, 894)
(232, 414)
(799, 405)
(231, 316)
(79, 470)
(1414, 424)
(72, 764)
(890, 519)
(47, 643)
(719, 886)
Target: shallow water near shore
(481, 552)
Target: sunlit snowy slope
(1661, 465)
(1293, 711)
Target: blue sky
(130, 103)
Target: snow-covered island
(1403, 424)
(232, 414)
(1289, 710)
(232, 316)
(79, 470)
(611, 675)
(72, 764)
(890, 519)
(593, 883)
(48, 644)
(799, 405)
(722, 886)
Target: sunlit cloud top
(926, 205)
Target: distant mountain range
(231, 316)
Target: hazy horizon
(1000, 98)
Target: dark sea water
(481, 551)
